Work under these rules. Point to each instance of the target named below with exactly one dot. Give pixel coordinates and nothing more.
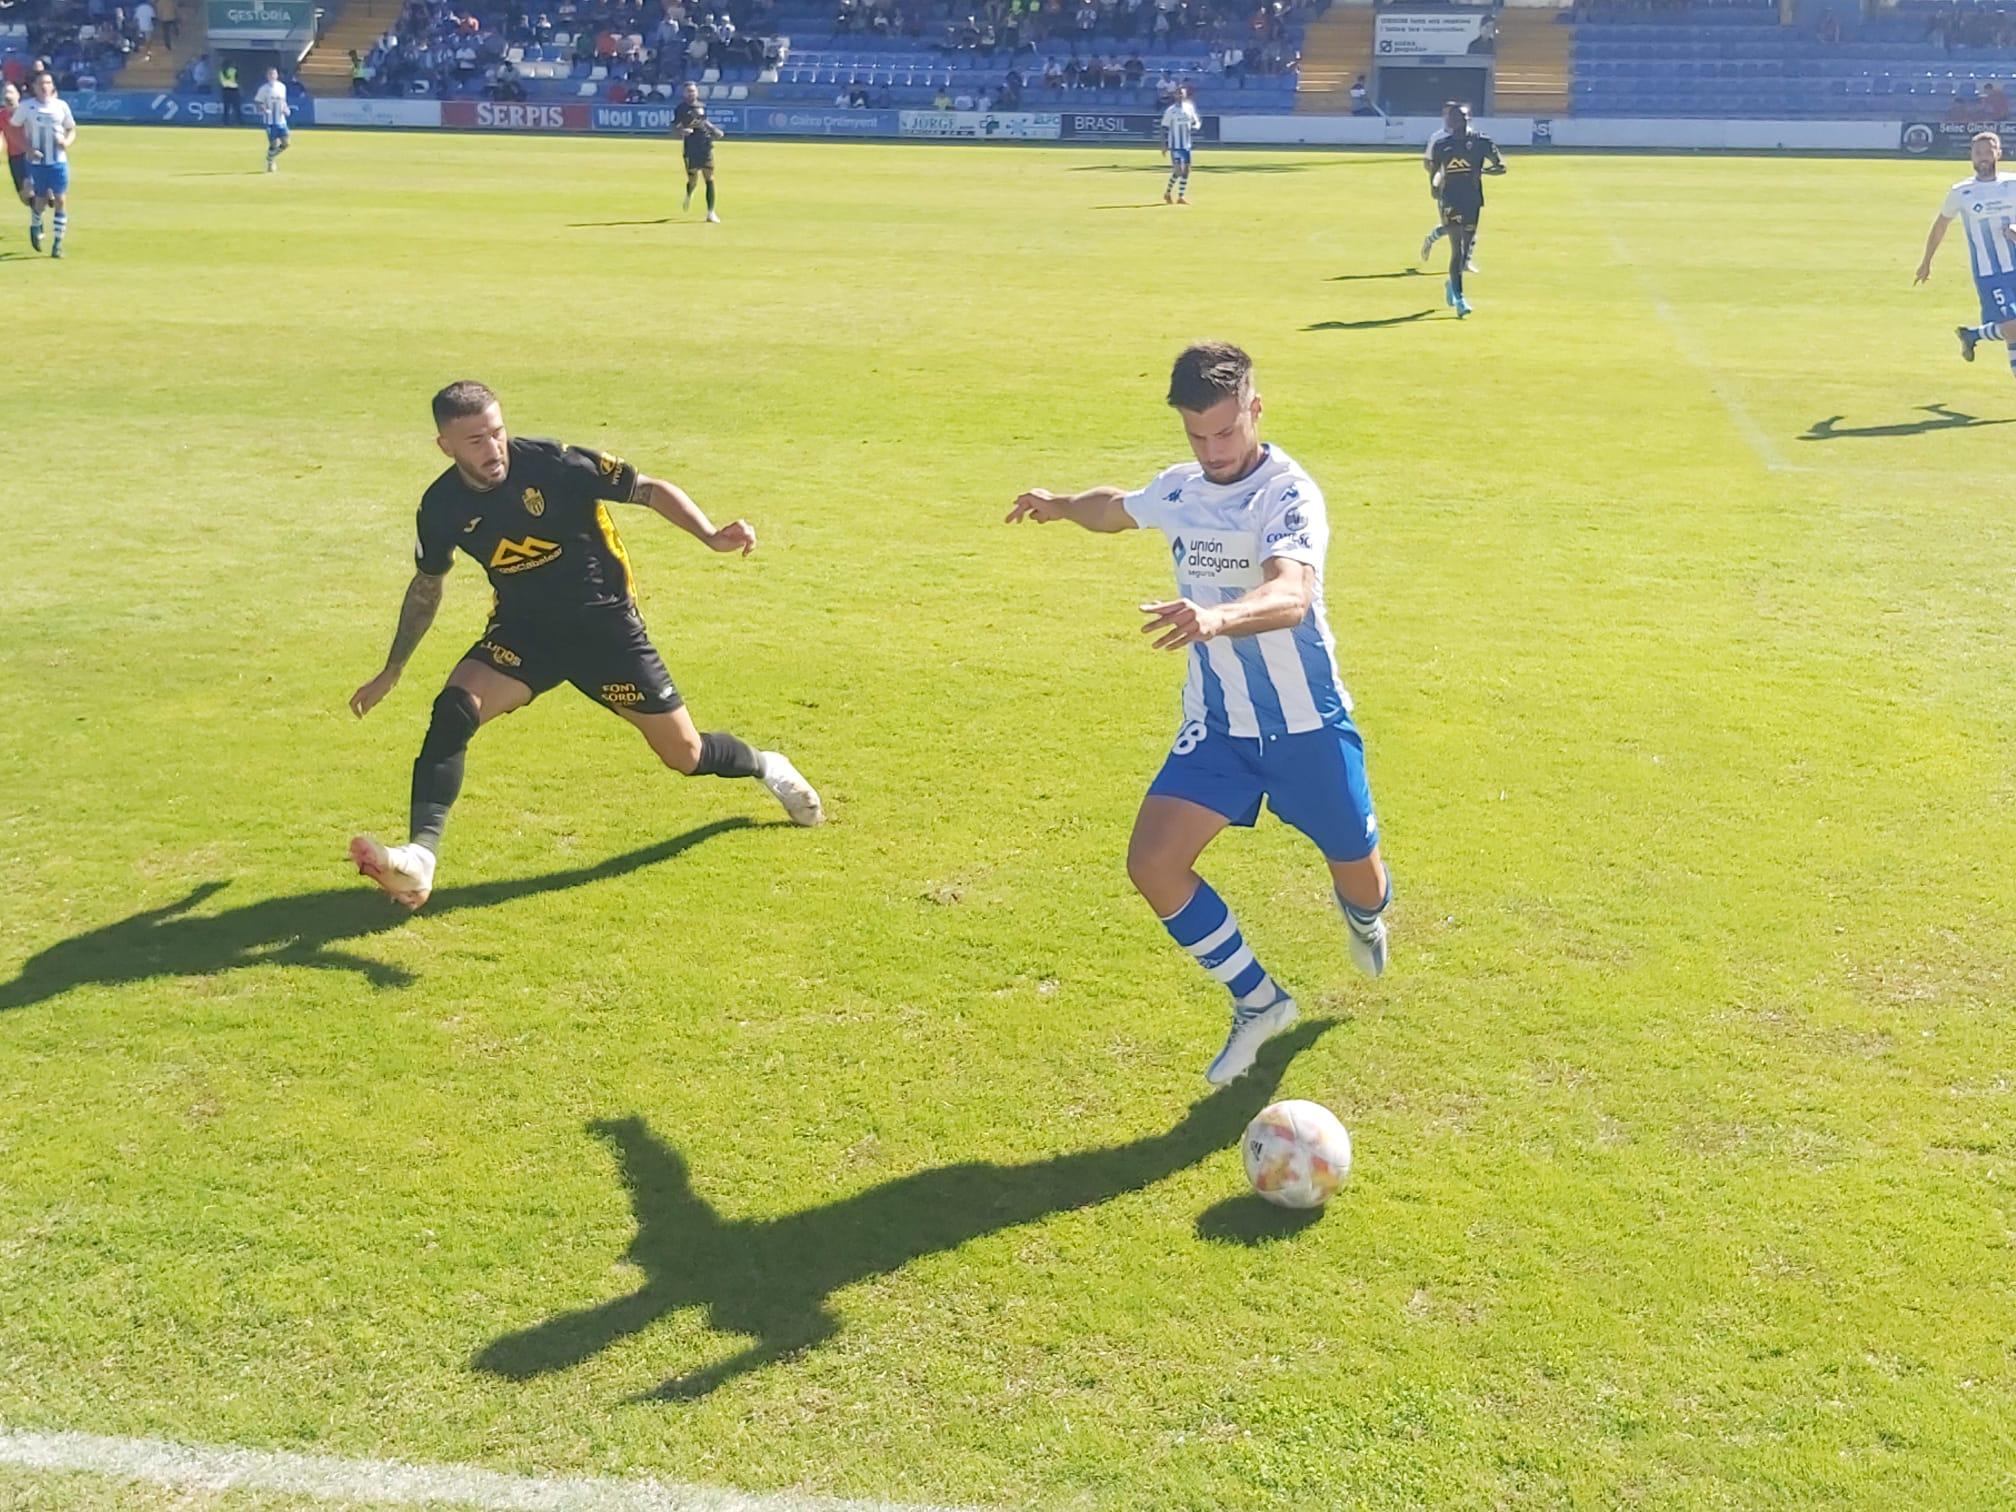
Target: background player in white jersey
(274, 109)
(1986, 202)
(51, 131)
(1434, 192)
(1180, 125)
(1265, 714)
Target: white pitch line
(390, 1482)
(1683, 338)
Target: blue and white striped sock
(1362, 919)
(62, 223)
(1205, 927)
(2012, 361)
(35, 221)
(1987, 332)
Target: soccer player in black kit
(689, 121)
(1461, 159)
(536, 515)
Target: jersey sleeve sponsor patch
(1294, 525)
(606, 477)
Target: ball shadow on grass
(1251, 1220)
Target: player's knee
(455, 718)
(678, 749)
(1150, 868)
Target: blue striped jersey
(1986, 209)
(1178, 122)
(1280, 682)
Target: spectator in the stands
(941, 100)
(143, 21)
(884, 100)
(168, 17)
(1995, 102)
(1361, 98)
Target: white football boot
(406, 872)
(1368, 946)
(789, 787)
(1251, 1028)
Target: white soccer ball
(1297, 1154)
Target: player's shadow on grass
(303, 930)
(1942, 418)
(1162, 166)
(1367, 277)
(663, 220)
(773, 1279)
(1369, 325)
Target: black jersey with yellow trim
(544, 535)
(1461, 161)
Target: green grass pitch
(1674, 588)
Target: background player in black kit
(689, 121)
(536, 515)
(1461, 159)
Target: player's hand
(366, 698)
(1038, 504)
(1180, 623)
(1924, 272)
(736, 535)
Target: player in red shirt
(17, 142)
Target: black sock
(722, 755)
(437, 770)
(1458, 250)
(710, 194)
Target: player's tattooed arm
(1100, 509)
(671, 501)
(416, 616)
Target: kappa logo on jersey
(1175, 496)
(470, 528)
(535, 503)
(517, 556)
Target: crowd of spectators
(1960, 28)
(83, 43)
(1011, 26)
(439, 47)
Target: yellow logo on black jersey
(535, 503)
(610, 465)
(516, 556)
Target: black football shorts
(603, 652)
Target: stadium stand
(86, 45)
(1108, 54)
(1918, 61)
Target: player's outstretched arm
(671, 501)
(416, 617)
(1100, 509)
(1932, 239)
(1277, 604)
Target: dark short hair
(459, 401)
(1208, 372)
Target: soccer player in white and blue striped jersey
(274, 109)
(1986, 202)
(1180, 124)
(1265, 714)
